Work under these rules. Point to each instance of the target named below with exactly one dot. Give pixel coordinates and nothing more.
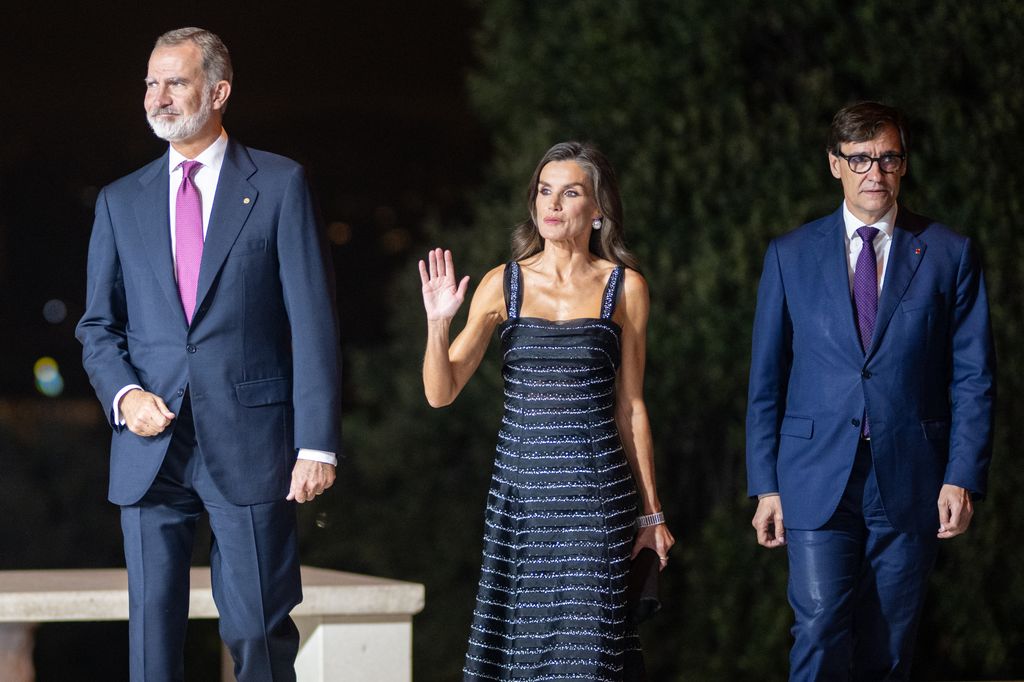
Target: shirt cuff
(318, 456)
(764, 495)
(115, 410)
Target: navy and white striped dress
(559, 521)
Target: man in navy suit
(870, 409)
(210, 336)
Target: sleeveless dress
(559, 525)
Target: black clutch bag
(642, 586)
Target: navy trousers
(254, 571)
(857, 586)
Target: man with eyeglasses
(871, 398)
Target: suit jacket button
(191, 348)
(855, 421)
(866, 374)
(181, 392)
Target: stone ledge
(50, 595)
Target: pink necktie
(188, 235)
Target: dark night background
(369, 96)
(419, 124)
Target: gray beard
(185, 126)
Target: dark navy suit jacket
(261, 358)
(926, 382)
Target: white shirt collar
(886, 223)
(211, 157)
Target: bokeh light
(49, 382)
(395, 240)
(339, 232)
(55, 311)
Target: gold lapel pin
(246, 200)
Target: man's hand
(145, 413)
(309, 479)
(955, 511)
(767, 522)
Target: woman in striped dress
(572, 495)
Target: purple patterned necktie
(865, 286)
(865, 294)
(188, 236)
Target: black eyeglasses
(861, 163)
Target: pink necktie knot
(189, 168)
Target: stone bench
(352, 627)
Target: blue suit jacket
(261, 358)
(926, 382)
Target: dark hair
(216, 60)
(608, 242)
(863, 121)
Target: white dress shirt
(205, 179)
(882, 243)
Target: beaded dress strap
(513, 290)
(611, 293)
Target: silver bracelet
(650, 520)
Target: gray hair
(216, 60)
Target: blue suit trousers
(857, 586)
(254, 570)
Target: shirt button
(191, 348)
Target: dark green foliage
(715, 115)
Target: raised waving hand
(442, 292)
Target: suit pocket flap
(801, 427)
(263, 391)
(935, 429)
(248, 246)
(919, 302)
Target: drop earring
(596, 224)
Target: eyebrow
(571, 184)
(888, 152)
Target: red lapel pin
(917, 252)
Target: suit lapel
(232, 204)
(152, 216)
(905, 255)
(831, 257)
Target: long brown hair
(608, 242)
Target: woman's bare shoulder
(635, 297)
(490, 294)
